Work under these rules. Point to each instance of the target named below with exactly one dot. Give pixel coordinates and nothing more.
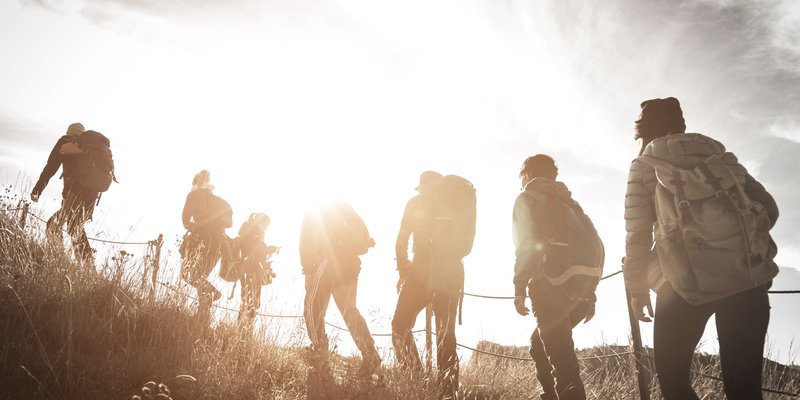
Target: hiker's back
(712, 238)
(208, 211)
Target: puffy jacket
(684, 150)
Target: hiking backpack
(454, 217)
(575, 254)
(712, 239)
(348, 229)
(94, 167)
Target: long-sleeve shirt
(54, 162)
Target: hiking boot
(370, 365)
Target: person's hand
(589, 313)
(34, 197)
(519, 304)
(639, 304)
(400, 283)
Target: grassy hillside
(68, 332)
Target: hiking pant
(250, 296)
(77, 207)
(414, 296)
(321, 285)
(552, 349)
(202, 256)
(741, 321)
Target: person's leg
(445, 309)
(209, 255)
(677, 329)
(80, 242)
(344, 294)
(544, 371)
(553, 312)
(742, 321)
(413, 298)
(318, 293)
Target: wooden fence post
(428, 338)
(157, 261)
(24, 217)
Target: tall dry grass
(68, 332)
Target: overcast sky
(288, 101)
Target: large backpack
(94, 167)
(712, 239)
(219, 213)
(454, 218)
(575, 254)
(348, 230)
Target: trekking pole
(428, 339)
(642, 375)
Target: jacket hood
(549, 187)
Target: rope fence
(154, 250)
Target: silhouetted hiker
(712, 222)
(255, 267)
(441, 220)
(88, 169)
(205, 217)
(559, 261)
(331, 239)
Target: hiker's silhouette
(441, 220)
(205, 217)
(559, 260)
(77, 202)
(332, 238)
(708, 270)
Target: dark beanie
(660, 117)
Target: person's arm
(529, 247)
(54, 162)
(639, 219)
(403, 236)
(188, 210)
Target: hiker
(255, 267)
(80, 193)
(441, 220)
(332, 238)
(205, 217)
(559, 261)
(685, 192)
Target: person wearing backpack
(559, 261)
(332, 238)
(255, 268)
(77, 200)
(441, 220)
(205, 217)
(710, 221)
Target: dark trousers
(414, 296)
(77, 207)
(552, 348)
(321, 285)
(741, 321)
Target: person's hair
(659, 117)
(539, 166)
(202, 177)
